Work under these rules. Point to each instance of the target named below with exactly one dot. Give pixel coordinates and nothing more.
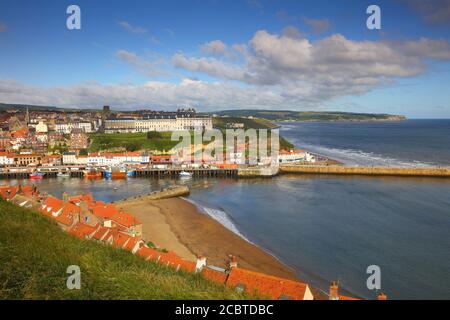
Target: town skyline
(287, 55)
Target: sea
(335, 227)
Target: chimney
(382, 296)
(65, 197)
(201, 263)
(233, 262)
(334, 291)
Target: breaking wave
(220, 216)
(360, 158)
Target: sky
(227, 54)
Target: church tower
(27, 118)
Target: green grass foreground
(35, 254)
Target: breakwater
(257, 172)
(368, 171)
(170, 192)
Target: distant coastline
(310, 116)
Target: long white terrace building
(160, 121)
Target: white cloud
(275, 71)
(145, 67)
(324, 69)
(130, 28)
(215, 47)
(211, 66)
(203, 95)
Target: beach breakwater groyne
(167, 193)
(367, 171)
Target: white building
(295, 156)
(115, 159)
(41, 127)
(160, 121)
(6, 159)
(69, 158)
(81, 160)
(67, 128)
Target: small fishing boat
(63, 175)
(37, 175)
(118, 175)
(185, 174)
(116, 172)
(92, 174)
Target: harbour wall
(368, 171)
(171, 192)
(257, 172)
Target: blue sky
(304, 55)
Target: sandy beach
(177, 225)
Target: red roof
(8, 192)
(22, 133)
(287, 152)
(27, 190)
(105, 211)
(52, 205)
(125, 219)
(131, 243)
(273, 287)
(81, 197)
(347, 298)
(102, 234)
(214, 275)
(121, 239)
(68, 214)
(81, 230)
(169, 259)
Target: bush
(154, 135)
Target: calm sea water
(333, 227)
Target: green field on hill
(255, 123)
(290, 115)
(35, 254)
(161, 141)
(131, 141)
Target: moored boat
(92, 174)
(37, 175)
(115, 172)
(63, 175)
(185, 174)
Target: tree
(132, 146)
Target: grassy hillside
(131, 141)
(287, 115)
(255, 123)
(35, 253)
